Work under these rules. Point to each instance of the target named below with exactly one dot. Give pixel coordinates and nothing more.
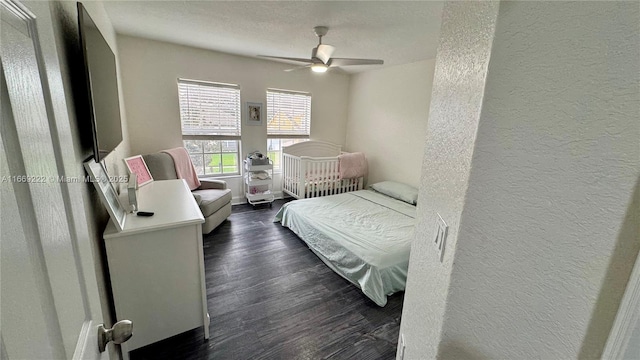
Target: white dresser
(156, 265)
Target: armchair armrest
(206, 184)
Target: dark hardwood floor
(270, 297)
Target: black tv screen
(102, 87)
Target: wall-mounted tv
(102, 87)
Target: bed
(364, 236)
(311, 169)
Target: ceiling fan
(321, 59)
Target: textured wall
(458, 87)
(553, 174)
(542, 242)
(388, 111)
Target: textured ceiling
(397, 32)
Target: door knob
(119, 333)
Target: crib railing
(306, 177)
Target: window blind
(209, 108)
(288, 113)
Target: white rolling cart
(258, 183)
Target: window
(288, 121)
(274, 150)
(210, 117)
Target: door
(624, 339)
(49, 303)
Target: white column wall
(542, 201)
(461, 65)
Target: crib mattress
(363, 236)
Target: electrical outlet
(441, 236)
(401, 348)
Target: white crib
(310, 169)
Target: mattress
(364, 236)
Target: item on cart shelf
(260, 175)
(257, 158)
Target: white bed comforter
(363, 235)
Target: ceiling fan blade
(299, 68)
(324, 52)
(346, 62)
(309, 61)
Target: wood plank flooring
(270, 297)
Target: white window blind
(288, 113)
(209, 108)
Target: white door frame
(51, 269)
(627, 318)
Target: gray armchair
(213, 197)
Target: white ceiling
(398, 32)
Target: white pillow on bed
(396, 190)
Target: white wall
(150, 71)
(388, 111)
(547, 234)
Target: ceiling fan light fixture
(321, 56)
(319, 68)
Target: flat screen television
(102, 87)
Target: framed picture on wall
(253, 113)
